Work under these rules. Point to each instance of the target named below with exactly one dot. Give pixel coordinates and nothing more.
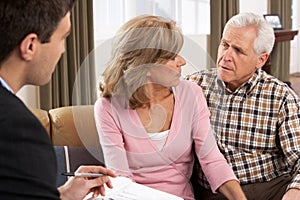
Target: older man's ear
(262, 59)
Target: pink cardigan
(130, 152)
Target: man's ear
(262, 59)
(28, 46)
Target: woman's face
(168, 74)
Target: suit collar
(5, 85)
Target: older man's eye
(240, 51)
(224, 45)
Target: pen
(82, 174)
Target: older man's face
(237, 60)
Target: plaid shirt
(257, 126)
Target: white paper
(125, 189)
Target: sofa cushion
(73, 126)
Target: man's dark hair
(18, 18)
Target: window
(108, 17)
(193, 16)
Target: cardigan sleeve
(213, 163)
(111, 139)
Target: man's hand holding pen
(86, 179)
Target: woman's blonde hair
(141, 43)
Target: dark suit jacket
(27, 158)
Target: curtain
(280, 56)
(73, 81)
(220, 12)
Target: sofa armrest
(73, 126)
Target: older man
(256, 117)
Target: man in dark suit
(32, 40)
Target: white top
(159, 139)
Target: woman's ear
(28, 46)
(262, 59)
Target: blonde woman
(148, 119)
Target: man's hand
(291, 194)
(79, 187)
(232, 190)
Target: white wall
(195, 52)
(295, 44)
(256, 6)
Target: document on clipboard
(125, 189)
